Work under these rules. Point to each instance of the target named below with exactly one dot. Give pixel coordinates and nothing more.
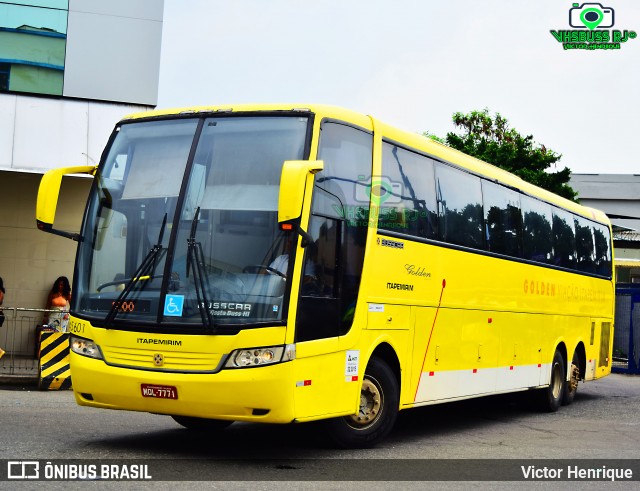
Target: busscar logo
(394, 244)
(592, 23)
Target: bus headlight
(255, 357)
(85, 347)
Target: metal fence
(19, 338)
(626, 338)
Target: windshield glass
(182, 224)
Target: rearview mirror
(48, 193)
(296, 175)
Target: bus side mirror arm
(306, 238)
(296, 178)
(48, 193)
(46, 227)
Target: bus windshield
(181, 229)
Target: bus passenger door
(323, 316)
(332, 272)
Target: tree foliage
(490, 138)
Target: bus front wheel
(379, 401)
(550, 398)
(201, 424)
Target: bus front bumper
(260, 394)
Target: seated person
(57, 309)
(281, 264)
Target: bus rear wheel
(550, 398)
(202, 424)
(379, 400)
(571, 385)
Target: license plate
(159, 391)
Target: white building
(69, 70)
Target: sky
(414, 63)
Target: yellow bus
(273, 263)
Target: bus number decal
(76, 327)
(351, 368)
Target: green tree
(490, 138)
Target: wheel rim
(556, 380)
(371, 405)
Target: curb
(19, 380)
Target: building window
(5, 71)
(33, 37)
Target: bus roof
(320, 109)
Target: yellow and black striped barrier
(55, 373)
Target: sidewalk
(18, 370)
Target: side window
(585, 247)
(341, 189)
(320, 274)
(537, 219)
(338, 226)
(459, 199)
(503, 220)
(602, 239)
(407, 193)
(319, 311)
(564, 239)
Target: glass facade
(33, 37)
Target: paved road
(601, 424)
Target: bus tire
(379, 401)
(202, 424)
(571, 385)
(550, 398)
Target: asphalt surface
(599, 428)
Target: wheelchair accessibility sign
(173, 305)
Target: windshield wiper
(142, 273)
(195, 261)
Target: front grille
(170, 361)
